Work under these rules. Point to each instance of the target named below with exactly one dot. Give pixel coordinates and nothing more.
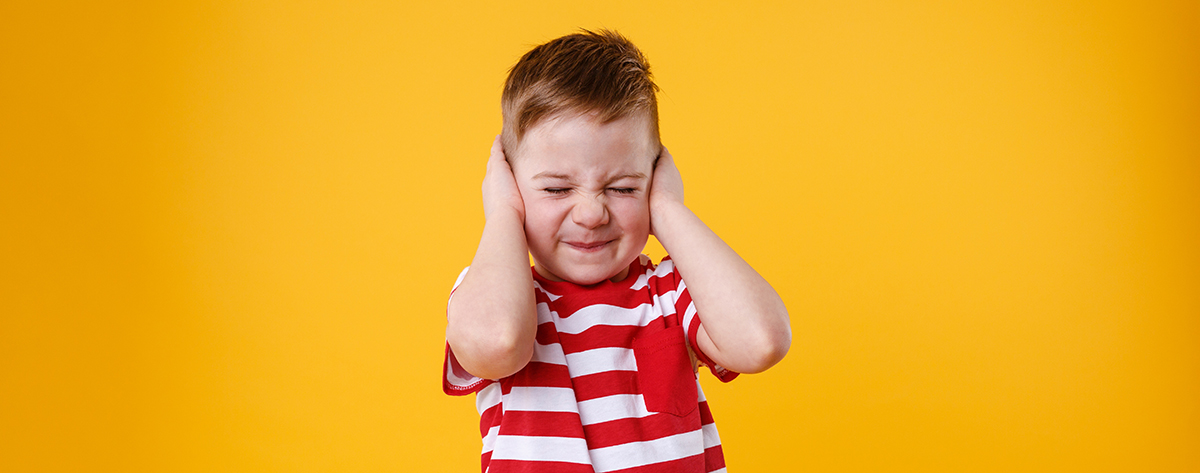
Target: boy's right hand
(500, 185)
(492, 318)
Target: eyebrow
(553, 175)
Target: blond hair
(600, 73)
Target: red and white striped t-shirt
(610, 388)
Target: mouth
(588, 246)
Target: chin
(588, 278)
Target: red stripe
(705, 414)
(523, 466)
(574, 298)
(600, 336)
(714, 458)
(547, 334)
(608, 383)
(541, 424)
(623, 431)
(490, 418)
(536, 373)
(661, 285)
(540, 297)
(572, 302)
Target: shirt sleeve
(456, 381)
(691, 321)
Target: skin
(585, 189)
(582, 199)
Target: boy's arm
(746, 327)
(492, 317)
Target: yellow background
(229, 228)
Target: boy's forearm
(492, 317)
(746, 326)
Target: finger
(664, 156)
(497, 148)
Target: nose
(590, 212)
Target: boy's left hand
(666, 187)
(746, 326)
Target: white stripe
(666, 302)
(552, 353)
(538, 286)
(600, 360)
(603, 314)
(634, 454)
(487, 397)
(544, 314)
(539, 398)
(688, 315)
(452, 376)
(489, 440)
(664, 268)
(643, 280)
(617, 406)
(711, 438)
(555, 449)
(461, 275)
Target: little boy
(588, 361)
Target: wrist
(503, 241)
(663, 212)
(502, 212)
(665, 202)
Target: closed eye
(623, 190)
(557, 190)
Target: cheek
(634, 213)
(542, 219)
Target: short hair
(599, 73)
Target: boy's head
(601, 74)
(581, 133)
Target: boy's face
(586, 191)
